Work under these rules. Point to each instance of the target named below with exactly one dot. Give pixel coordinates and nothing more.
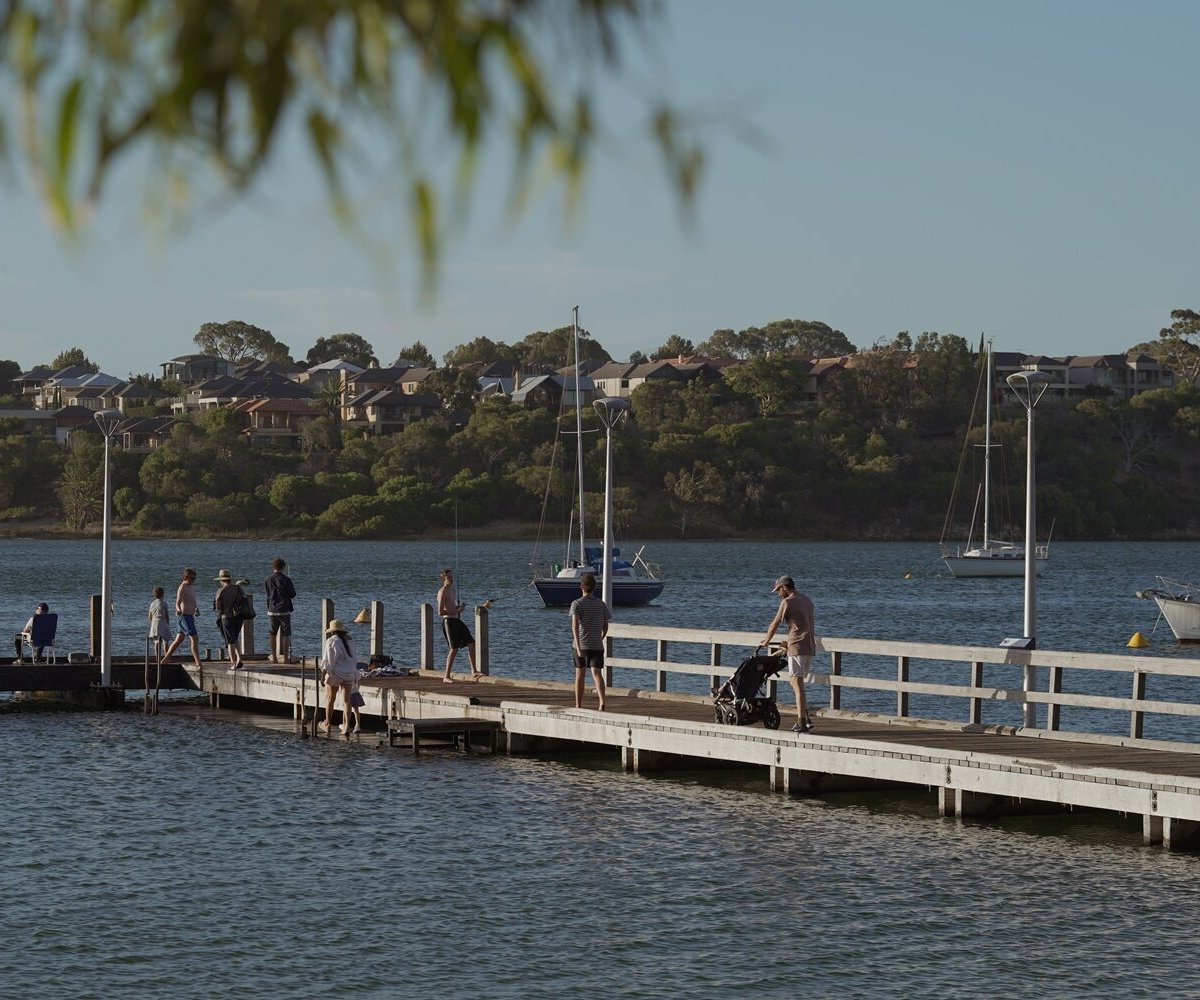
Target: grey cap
(784, 581)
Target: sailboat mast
(987, 455)
(579, 436)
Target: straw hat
(335, 626)
(224, 576)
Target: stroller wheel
(720, 715)
(770, 715)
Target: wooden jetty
(974, 768)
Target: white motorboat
(990, 557)
(1179, 604)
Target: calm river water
(177, 857)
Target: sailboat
(633, 583)
(991, 557)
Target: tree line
(740, 455)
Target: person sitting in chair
(26, 636)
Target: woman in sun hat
(341, 671)
(225, 604)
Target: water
(1085, 601)
(174, 857)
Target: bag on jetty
(243, 607)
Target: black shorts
(593, 658)
(281, 624)
(231, 630)
(457, 634)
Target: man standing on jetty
(280, 592)
(797, 610)
(458, 636)
(185, 616)
(589, 625)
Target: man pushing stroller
(797, 610)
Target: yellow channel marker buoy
(1138, 641)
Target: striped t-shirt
(589, 615)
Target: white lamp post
(1029, 387)
(611, 409)
(107, 420)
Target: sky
(1026, 170)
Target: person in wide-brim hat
(229, 621)
(341, 671)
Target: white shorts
(798, 666)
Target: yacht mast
(987, 455)
(579, 437)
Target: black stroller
(740, 701)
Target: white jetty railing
(968, 674)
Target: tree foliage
(206, 89)
(344, 347)
(238, 341)
(9, 370)
(556, 348)
(1181, 343)
(674, 347)
(481, 350)
(73, 357)
(795, 337)
(416, 354)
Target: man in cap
(797, 610)
(26, 635)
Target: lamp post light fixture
(612, 410)
(107, 421)
(1029, 387)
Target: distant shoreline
(509, 531)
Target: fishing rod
(457, 582)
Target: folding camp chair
(41, 636)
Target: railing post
(376, 627)
(94, 626)
(660, 676)
(835, 689)
(608, 652)
(1137, 716)
(975, 703)
(1054, 709)
(426, 660)
(247, 636)
(481, 640)
(902, 678)
(327, 615)
(714, 660)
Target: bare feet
(475, 676)
(323, 726)
(601, 708)
(447, 680)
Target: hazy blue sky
(1026, 169)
